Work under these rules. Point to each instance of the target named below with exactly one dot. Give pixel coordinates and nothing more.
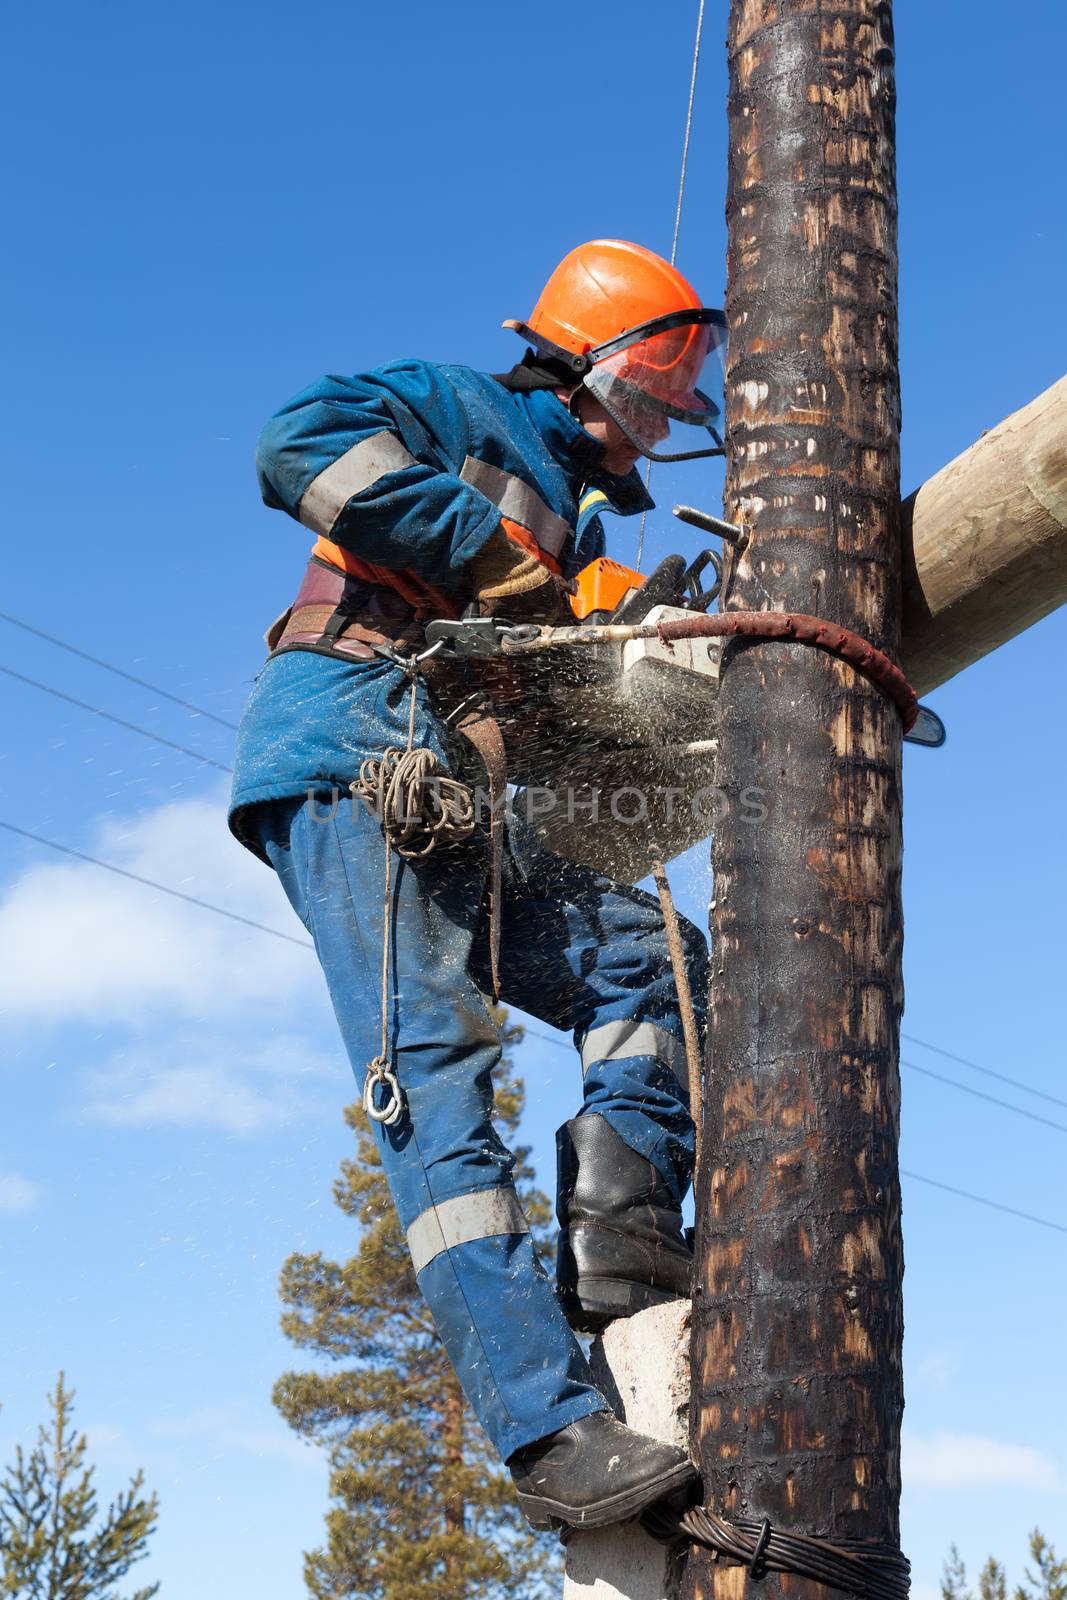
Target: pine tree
(954, 1577)
(992, 1581)
(1050, 1580)
(421, 1508)
(47, 1508)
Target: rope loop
(419, 807)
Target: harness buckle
(475, 636)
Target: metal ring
(391, 1111)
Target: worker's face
(619, 453)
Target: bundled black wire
(869, 1571)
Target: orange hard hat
(602, 289)
(636, 334)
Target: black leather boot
(621, 1245)
(595, 1472)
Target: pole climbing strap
(797, 627)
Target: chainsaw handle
(699, 599)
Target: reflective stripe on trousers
(466, 1217)
(620, 1041)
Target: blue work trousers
(578, 952)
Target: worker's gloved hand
(507, 581)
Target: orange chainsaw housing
(602, 586)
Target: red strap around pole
(798, 628)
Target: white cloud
(971, 1461)
(18, 1194)
(202, 1080)
(224, 1429)
(935, 1371)
(108, 1445)
(81, 944)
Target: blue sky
(209, 207)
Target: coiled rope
(417, 804)
(419, 807)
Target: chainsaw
(567, 710)
(636, 717)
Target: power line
(963, 1061)
(197, 755)
(963, 1194)
(688, 131)
(949, 1055)
(260, 927)
(677, 223)
(150, 883)
(109, 666)
(990, 1098)
(560, 1044)
(131, 727)
(980, 1199)
(1020, 1111)
(914, 1066)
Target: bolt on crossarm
(797, 1318)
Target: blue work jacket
(410, 467)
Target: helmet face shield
(661, 380)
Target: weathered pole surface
(797, 1318)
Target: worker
(433, 489)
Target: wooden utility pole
(797, 1316)
(985, 543)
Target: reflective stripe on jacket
(412, 466)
